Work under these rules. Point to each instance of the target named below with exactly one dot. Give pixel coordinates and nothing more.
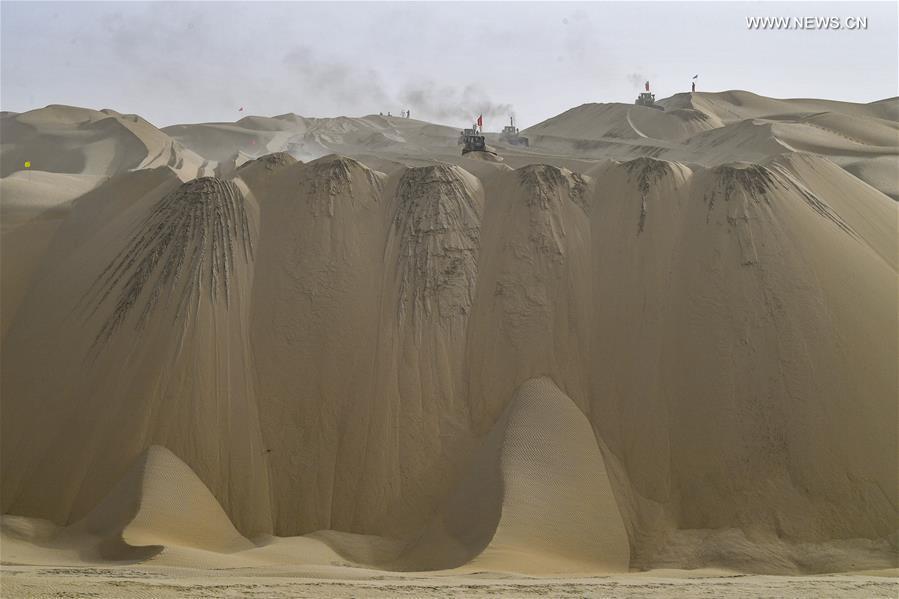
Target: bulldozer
(510, 135)
(648, 99)
(472, 140)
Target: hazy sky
(189, 62)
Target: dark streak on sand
(645, 172)
(190, 239)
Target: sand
(38, 581)
(653, 352)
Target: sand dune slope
(716, 128)
(149, 317)
(315, 307)
(160, 502)
(736, 105)
(533, 284)
(311, 138)
(536, 498)
(752, 384)
(624, 121)
(50, 227)
(26, 195)
(66, 139)
(427, 291)
(558, 511)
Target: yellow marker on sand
(27, 164)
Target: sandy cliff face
(726, 398)
(644, 363)
(145, 327)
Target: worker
(694, 87)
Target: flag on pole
(480, 121)
(647, 85)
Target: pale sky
(191, 62)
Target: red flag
(647, 86)
(480, 120)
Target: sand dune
(766, 278)
(27, 195)
(716, 128)
(65, 139)
(161, 503)
(650, 339)
(311, 138)
(554, 485)
(177, 272)
(541, 456)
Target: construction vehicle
(648, 99)
(511, 136)
(472, 140)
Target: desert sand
(655, 352)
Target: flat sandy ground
(42, 581)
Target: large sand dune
(651, 339)
(64, 139)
